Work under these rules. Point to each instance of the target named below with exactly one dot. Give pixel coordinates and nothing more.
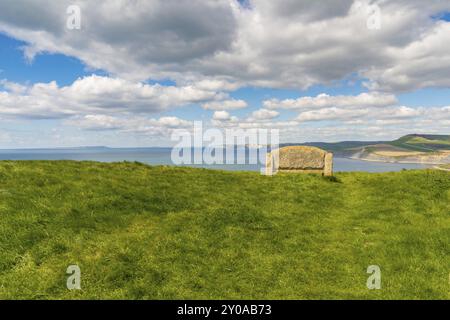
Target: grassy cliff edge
(141, 232)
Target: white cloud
(331, 114)
(211, 48)
(401, 112)
(363, 100)
(221, 115)
(97, 122)
(95, 94)
(264, 114)
(162, 126)
(232, 104)
(360, 115)
(350, 115)
(133, 39)
(393, 115)
(423, 63)
(286, 43)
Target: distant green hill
(423, 142)
(338, 148)
(411, 142)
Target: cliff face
(438, 157)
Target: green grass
(423, 143)
(140, 232)
(421, 140)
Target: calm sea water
(162, 156)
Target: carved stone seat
(299, 159)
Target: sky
(128, 73)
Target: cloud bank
(283, 43)
(210, 49)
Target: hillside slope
(412, 142)
(426, 149)
(424, 143)
(140, 232)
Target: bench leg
(328, 169)
(269, 164)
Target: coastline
(399, 162)
(440, 158)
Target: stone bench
(299, 159)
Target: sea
(163, 156)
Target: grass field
(423, 143)
(140, 232)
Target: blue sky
(119, 88)
(44, 68)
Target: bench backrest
(300, 159)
